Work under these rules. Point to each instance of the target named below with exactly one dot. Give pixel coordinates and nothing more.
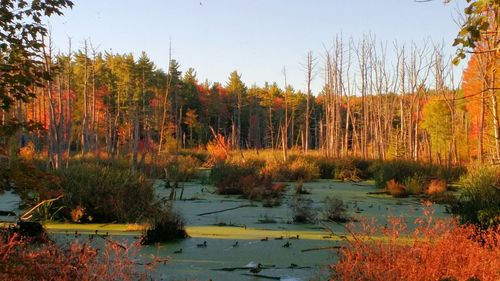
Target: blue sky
(258, 38)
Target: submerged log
(322, 248)
(224, 210)
(263, 276)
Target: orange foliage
(76, 261)
(219, 149)
(436, 187)
(396, 189)
(435, 250)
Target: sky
(258, 38)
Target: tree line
(370, 105)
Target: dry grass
(435, 250)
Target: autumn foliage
(21, 260)
(437, 249)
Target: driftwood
(220, 211)
(322, 248)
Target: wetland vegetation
(114, 169)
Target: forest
(112, 167)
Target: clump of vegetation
(479, 202)
(180, 168)
(335, 210)
(75, 261)
(102, 192)
(165, 226)
(401, 171)
(302, 210)
(244, 178)
(218, 149)
(294, 169)
(343, 168)
(436, 187)
(396, 189)
(436, 250)
(415, 185)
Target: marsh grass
(479, 202)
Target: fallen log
(322, 248)
(220, 211)
(378, 192)
(7, 213)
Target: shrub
(181, 168)
(396, 189)
(436, 187)
(479, 202)
(219, 149)
(302, 210)
(244, 178)
(438, 249)
(105, 192)
(74, 261)
(165, 226)
(415, 184)
(335, 210)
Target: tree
(21, 41)
(237, 90)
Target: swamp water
(249, 226)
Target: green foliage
(437, 122)
(20, 47)
(478, 15)
(106, 192)
(479, 202)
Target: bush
(436, 187)
(181, 168)
(105, 193)
(396, 189)
(244, 178)
(302, 210)
(479, 202)
(166, 226)
(435, 250)
(75, 261)
(415, 184)
(335, 210)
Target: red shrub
(435, 250)
(396, 189)
(20, 260)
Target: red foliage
(20, 260)
(435, 250)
